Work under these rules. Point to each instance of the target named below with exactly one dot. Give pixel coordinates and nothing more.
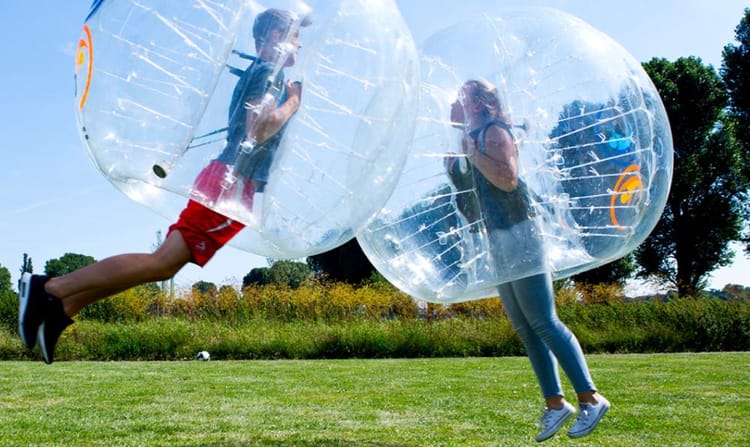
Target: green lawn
(658, 400)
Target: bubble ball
(155, 82)
(594, 152)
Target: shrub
(134, 304)
(162, 339)
(486, 308)
(332, 302)
(601, 293)
(567, 294)
(337, 320)
(8, 310)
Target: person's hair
(274, 20)
(485, 93)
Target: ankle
(49, 287)
(588, 397)
(554, 403)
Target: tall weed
(370, 321)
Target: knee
(550, 327)
(168, 270)
(524, 332)
(164, 273)
(170, 257)
(521, 326)
(163, 268)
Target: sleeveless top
(500, 209)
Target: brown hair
(485, 93)
(275, 20)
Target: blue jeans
(530, 306)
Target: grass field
(658, 400)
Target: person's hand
(294, 89)
(293, 94)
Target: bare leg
(117, 273)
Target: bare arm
(263, 121)
(498, 162)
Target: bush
(135, 304)
(162, 339)
(678, 325)
(8, 310)
(334, 302)
(339, 320)
(600, 293)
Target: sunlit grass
(658, 400)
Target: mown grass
(658, 400)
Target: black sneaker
(31, 304)
(55, 322)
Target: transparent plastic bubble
(155, 82)
(594, 153)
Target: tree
(5, 282)
(27, 265)
(704, 209)
(205, 288)
(67, 263)
(736, 292)
(289, 273)
(618, 272)
(735, 72)
(259, 276)
(346, 263)
(8, 301)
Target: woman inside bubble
(517, 250)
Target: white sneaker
(552, 420)
(588, 417)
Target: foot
(552, 420)
(55, 322)
(588, 417)
(31, 305)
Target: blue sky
(54, 201)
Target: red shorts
(208, 185)
(204, 230)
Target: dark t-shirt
(252, 162)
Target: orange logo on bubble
(628, 191)
(85, 56)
